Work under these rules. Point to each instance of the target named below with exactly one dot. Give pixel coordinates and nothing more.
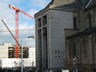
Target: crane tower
(17, 10)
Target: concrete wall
(4, 50)
(32, 55)
(15, 63)
(57, 21)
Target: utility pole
(21, 57)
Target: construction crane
(17, 10)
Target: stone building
(50, 41)
(81, 43)
(65, 36)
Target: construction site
(17, 46)
(51, 36)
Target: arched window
(89, 19)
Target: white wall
(14, 62)
(32, 55)
(4, 50)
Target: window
(39, 22)
(74, 22)
(89, 20)
(74, 50)
(45, 20)
(57, 54)
(11, 51)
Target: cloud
(26, 26)
(24, 33)
(32, 12)
(31, 7)
(40, 3)
(6, 14)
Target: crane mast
(17, 33)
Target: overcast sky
(29, 6)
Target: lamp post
(31, 37)
(22, 64)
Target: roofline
(58, 9)
(85, 32)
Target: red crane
(17, 26)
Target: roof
(77, 5)
(67, 7)
(74, 6)
(87, 31)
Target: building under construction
(8, 51)
(9, 62)
(12, 52)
